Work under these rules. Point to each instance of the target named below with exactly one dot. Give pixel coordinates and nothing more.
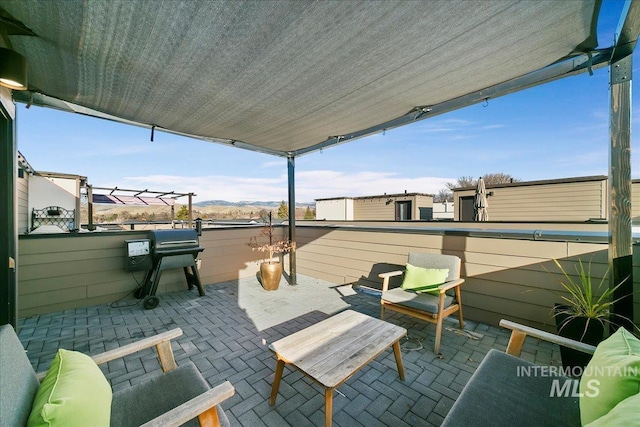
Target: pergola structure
(123, 196)
(291, 77)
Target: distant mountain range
(272, 204)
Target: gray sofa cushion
(424, 301)
(497, 396)
(142, 402)
(18, 382)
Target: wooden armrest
(160, 341)
(385, 278)
(519, 333)
(194, 407)
(390, 274)
(450, 284)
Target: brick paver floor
(227, 333)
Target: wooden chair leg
(436, 347)
(381, 312)
(459, 301)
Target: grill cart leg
(146, 283)
(193, 278)
(156, 278)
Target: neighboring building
(386, 207)
(335, 209)
(47, 200)
(443, 211)
(24, 172)
(571, 199)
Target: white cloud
(310, 185)
(273, 164)
(112, 150)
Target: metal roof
(290, 77)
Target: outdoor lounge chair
(174, 398)
(426, 306)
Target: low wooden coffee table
(331, 351)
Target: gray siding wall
(377, 208)
(373, 209)
(635, 201)
(571, 201)
(69, 271)
(23, 204)
(505, 278)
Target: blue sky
(552, 131)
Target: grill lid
(175, 241)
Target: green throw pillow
(420, 279)
(611, 376)
(625, 413)
(73, 393)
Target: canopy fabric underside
(283, 76)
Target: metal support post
(90, 207)
(291, 168)
(190, 210)
(8, 221)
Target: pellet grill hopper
(171, 249)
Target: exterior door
(466, 212)
(403, 211)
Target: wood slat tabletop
(332, 350)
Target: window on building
(426, 214)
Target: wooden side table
(331, 351)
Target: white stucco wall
(44, 192)
(334, 209)
(443, 210)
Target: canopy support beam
(291, 169)
(620, 236)
(620, 231)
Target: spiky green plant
(593, 302)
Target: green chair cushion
(73, 393)
(420, 279)
(609, 377)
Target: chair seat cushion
(143, 402)
(508, 391)
(419, 301)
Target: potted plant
(582, 315)
(270, 268)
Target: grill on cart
(171, 249)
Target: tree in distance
(446, 194)
(283, 210)
(309, 214)
(183, 213)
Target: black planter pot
(575, 329)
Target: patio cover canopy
(290, 77)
